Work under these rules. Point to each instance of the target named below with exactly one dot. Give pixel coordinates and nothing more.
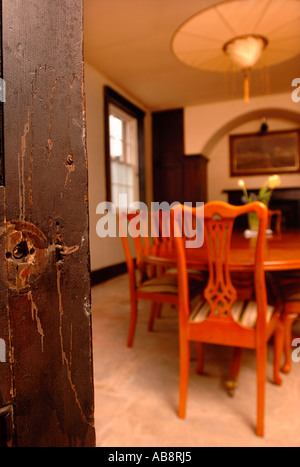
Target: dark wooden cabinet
(195, 178)
(176, 177)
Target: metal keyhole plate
(20, 251)
(26, 254)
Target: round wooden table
(282, 253)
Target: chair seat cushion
(168, 285)
(162, 284)
(243, 312)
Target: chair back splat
(219, 292)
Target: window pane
(116, 148)
(116, 136)
(115, 127)
(123, 151)
(130, 175)
(113, 170)
(121, 178)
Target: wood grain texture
(46, 185)
(6, 383)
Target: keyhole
(20, 251)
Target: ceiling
(129, 41)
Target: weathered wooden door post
(46, 381)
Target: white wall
(202, 125)
(105, 251)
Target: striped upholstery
(243, 312)
(168, 285)
(165, 284)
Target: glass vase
(253, 221)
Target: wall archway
(284, 114)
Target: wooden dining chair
(291, 297)
(157, 288)
(220, 318)
(162, 224)
(287, 286)
(278, 219)
(162, 229)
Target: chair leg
(288, 322)
(261, 374)
(232, 383)
(183, 376)
(155, 307)
(278, 349)
(132, 324)
(200, 359)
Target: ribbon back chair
(150, 285)
(221, 318)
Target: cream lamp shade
(247, 33)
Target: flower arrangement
(264, 196)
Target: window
(124, 148)
(124, 164)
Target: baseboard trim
(104, 274)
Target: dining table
(282, 253)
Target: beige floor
(136, 390)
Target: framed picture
(264, 153)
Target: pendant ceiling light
(245, 51)
(248, 33)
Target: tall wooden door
(46, 377)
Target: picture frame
(265, 153)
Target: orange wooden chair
(291, 298)
(220, 318)
(278, 214)
(156, 288)
(287, 284)
(162, 225)
(163, 230)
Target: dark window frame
(113, 97)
